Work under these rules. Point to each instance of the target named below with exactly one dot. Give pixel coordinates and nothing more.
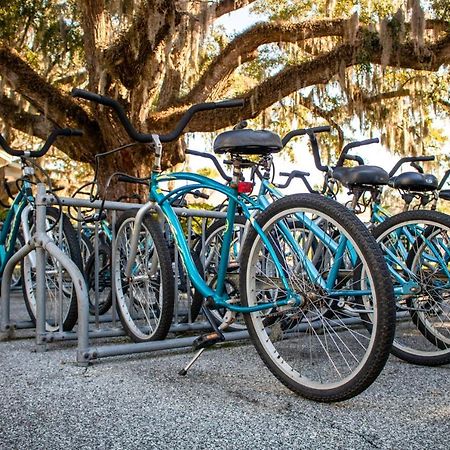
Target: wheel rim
(211, 258)
(139, 299)
(423, 320)
(59, 289)
(308, 344)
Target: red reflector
(245, 187)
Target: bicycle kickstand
(204, 341)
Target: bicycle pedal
(207, 340)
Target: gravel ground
(228, 400)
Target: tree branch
(33, 124)
(55, 106)
(243, 48)
(384, 96)
(317, 71)
(227, 6)
(444, 103)
(48, 100)
(133, 50)
(307, 103)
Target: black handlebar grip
(351, 145)
(199, 194)
(303, 131)
(86, 95)
(241, 125)
(295, 173)
(423, 158)
(130, 179)
(68, 132)
(235, 103)
(8, 149)
(356, 158)
(213, 159)
(408, 159)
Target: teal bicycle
(416, 245)
(284, 297)
(61, 304)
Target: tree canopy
(380, 65)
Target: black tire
(104, 280)
(215, 230)
(422, 336)
(70, 245)
(299, 332)
(144, 316)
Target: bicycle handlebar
(351, 145)
(44, 149)
(444, 179)
(148, 138)
(407, 160)
(417, 167)
(130, 179)
(356, 158)
(213, 159)
(296, 174)
(303, 131)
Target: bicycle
(60, 294)
(416, 244)
(285, 300)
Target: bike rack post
(40, 232)
(7, 327)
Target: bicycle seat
(414, 181)
(361, 175)
(445, 194)
(247, 142)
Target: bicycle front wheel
(321, 253)
(60, 295)
(145, 300)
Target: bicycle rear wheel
(417, 247)
(209, 255)
(322, 349)
(145, 302)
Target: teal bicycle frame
(10, 230)
(247, 206)
(404, 287)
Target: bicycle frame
(162, 203)
(378, 215)
(10, 230)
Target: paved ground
(228, 401)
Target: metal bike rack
(41, 243)
(88, 326)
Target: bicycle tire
(104, 277)
(273, 339)
(408, 344)
(215, 230)
(143, 316)
(70, 245)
